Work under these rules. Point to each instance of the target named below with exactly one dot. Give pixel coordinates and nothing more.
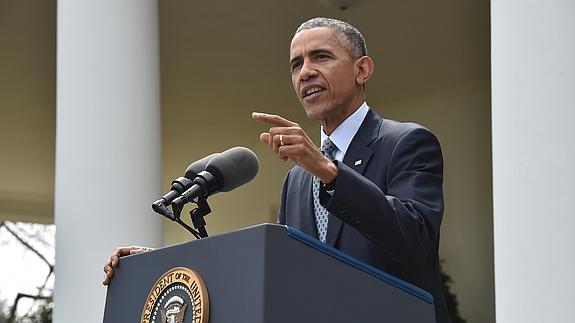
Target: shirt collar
(344, 133)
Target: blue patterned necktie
(328, 150)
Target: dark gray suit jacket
(387, 205)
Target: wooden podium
(266, 273)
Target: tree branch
(27, 245)
(17, 299)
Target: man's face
(324, 76)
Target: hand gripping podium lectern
(266, 273)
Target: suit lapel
(357, 157)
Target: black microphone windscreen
(233, 167)
(198, 166)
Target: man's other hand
(114, 260)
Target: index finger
(273, 119)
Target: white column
(108, 153)
(533, 116)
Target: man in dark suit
(374, 190)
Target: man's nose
(308, 71)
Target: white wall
(533, 100)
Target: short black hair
(348, 35)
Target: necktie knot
(328, 149)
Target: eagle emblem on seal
(175, 309)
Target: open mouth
(312, 91)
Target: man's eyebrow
(295, 60)
(313, 52)
(321, 51)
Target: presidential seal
(179, 296)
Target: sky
(21, 270)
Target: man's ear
(364, 69)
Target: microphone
(223, 173)
(179, 185)
(196, 167)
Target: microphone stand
(187, 227)
(197, 215)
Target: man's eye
(295, 66)
(320, 57)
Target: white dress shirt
(344, 133)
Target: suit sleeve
(404, 220)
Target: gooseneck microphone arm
(221, 172)
(178, 186)
(203, 186)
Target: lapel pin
(358, 162)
